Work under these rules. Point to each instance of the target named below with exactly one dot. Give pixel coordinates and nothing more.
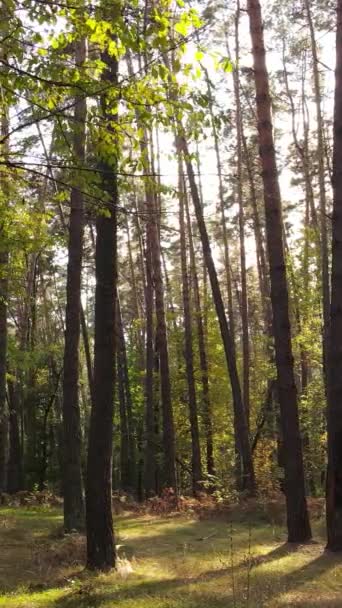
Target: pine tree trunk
(4, 130)
(14, 465)
(188, 348)
(206, 405)
(240, 420)
(150, 440)
(322, 189)
(297, 514)
(153, 247)
(86, 345)
(73, 492)
(169, 448)
(244, 300)
(101, 553)
(334, 473)
(128, 460)
(223, 217)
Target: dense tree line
(170, 253)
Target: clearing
(167, 562)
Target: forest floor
(172, 561)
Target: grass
(167, 562)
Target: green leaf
(182, 28)
(226, 64)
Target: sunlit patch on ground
(171, 562)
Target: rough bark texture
(334, 473)
(99, 520)
(72, 483)
(297, 514)
(240, 419)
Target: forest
(170, 303)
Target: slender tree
(321, 182)
(202, 351)
(72, 482)
(188, 344)
(297, 514)
(4, 259)
(334, 474)
(242, 225)
(240, 418)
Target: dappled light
(165, 562)
(170, 303)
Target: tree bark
(72, 484)
(244, 299)
(128, 459)
(240, 420)
(101, 553)
(206, 404)
(231, 316)
(297, 514)
(150, 442)
(334, 472)
(4, 259)
(15, 464)
(188, 348)
(152, 237)
(322, 189)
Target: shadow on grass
(173, 592)
(189, 593)
(164, 539)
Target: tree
(72, 483)
(334, 472)
(240, 419)
(99, 519)
(297, 514)
(188, 344)
(4, 259)
(202, 350)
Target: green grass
(177, 562)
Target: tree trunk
(188, 349)
(297, 514)
(334, 472)
(14, 465)
(72, 484)
(240, 420)
(150, 442)
(153, 248)
(100, 536)
(244, 300)
(322, 191)
(161, 337)
(86, 346)
(206, 405)
(4, 130)
(223, 217)
(128, 460)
